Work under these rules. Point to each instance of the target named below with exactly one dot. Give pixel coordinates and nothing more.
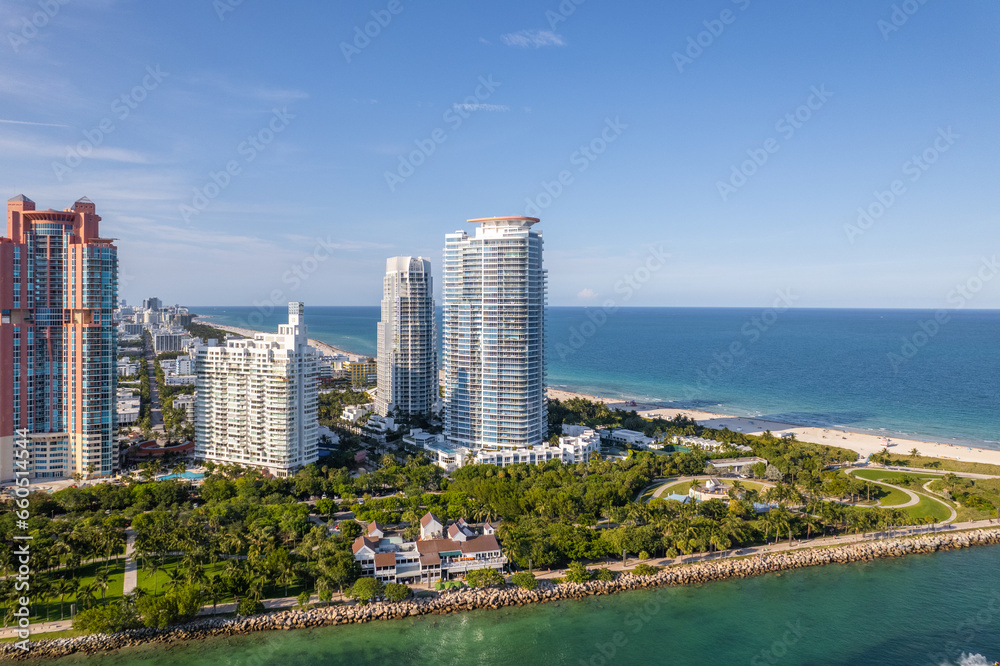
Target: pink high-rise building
(58, 342)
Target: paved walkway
(131, 579)
(617, 565)
(914, 497)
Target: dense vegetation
(242, 535)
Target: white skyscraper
(256, 400)
(407, 355)
(494, 335)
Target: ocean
(900, 373)
(919, 610)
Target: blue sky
(664, 133)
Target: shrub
(577, 573)
(644, 570)
(525, 580)
(643, 555)
(396, 591)
(108, 619)
(605, 574)
(303, 599)
(484, 577)
(366, 589)
(249, 606)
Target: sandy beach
(324, 348)
(864, 443)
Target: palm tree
(66, 586)
(151, 562)
(101, 582)
(85, 595)
(175, 579)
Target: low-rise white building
(710, 444)
(736, 465)
(355, 413)
(625, 437)
(575, 445)
(127, 407)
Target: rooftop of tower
(20, 197)
(512, 218)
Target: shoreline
(325, 348)
(507, 596)
(863, 443)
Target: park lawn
(894, 498)
(147, 583)
(928, 507)
(271, 591)
(943, 464)
(85, 574)
(679, 488)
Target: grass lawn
(928, 507)
(146, 581)
(86, 574)
(894, 498)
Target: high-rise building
(494, 335)
(407, 355)
(256, 400)
(58, 341)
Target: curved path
(914, 497)
(663, 485)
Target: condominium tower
(58, 340)
(493, 335)
(407, 356)
(256, 400)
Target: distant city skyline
(841, 152)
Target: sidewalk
(131, 565)
(290, 602)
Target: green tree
(366, 589)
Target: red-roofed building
(428, 560)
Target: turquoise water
(186, 475)
(925, 609)
(812, 367)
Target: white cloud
(27, 122)
(587, 294)
(532, 39)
